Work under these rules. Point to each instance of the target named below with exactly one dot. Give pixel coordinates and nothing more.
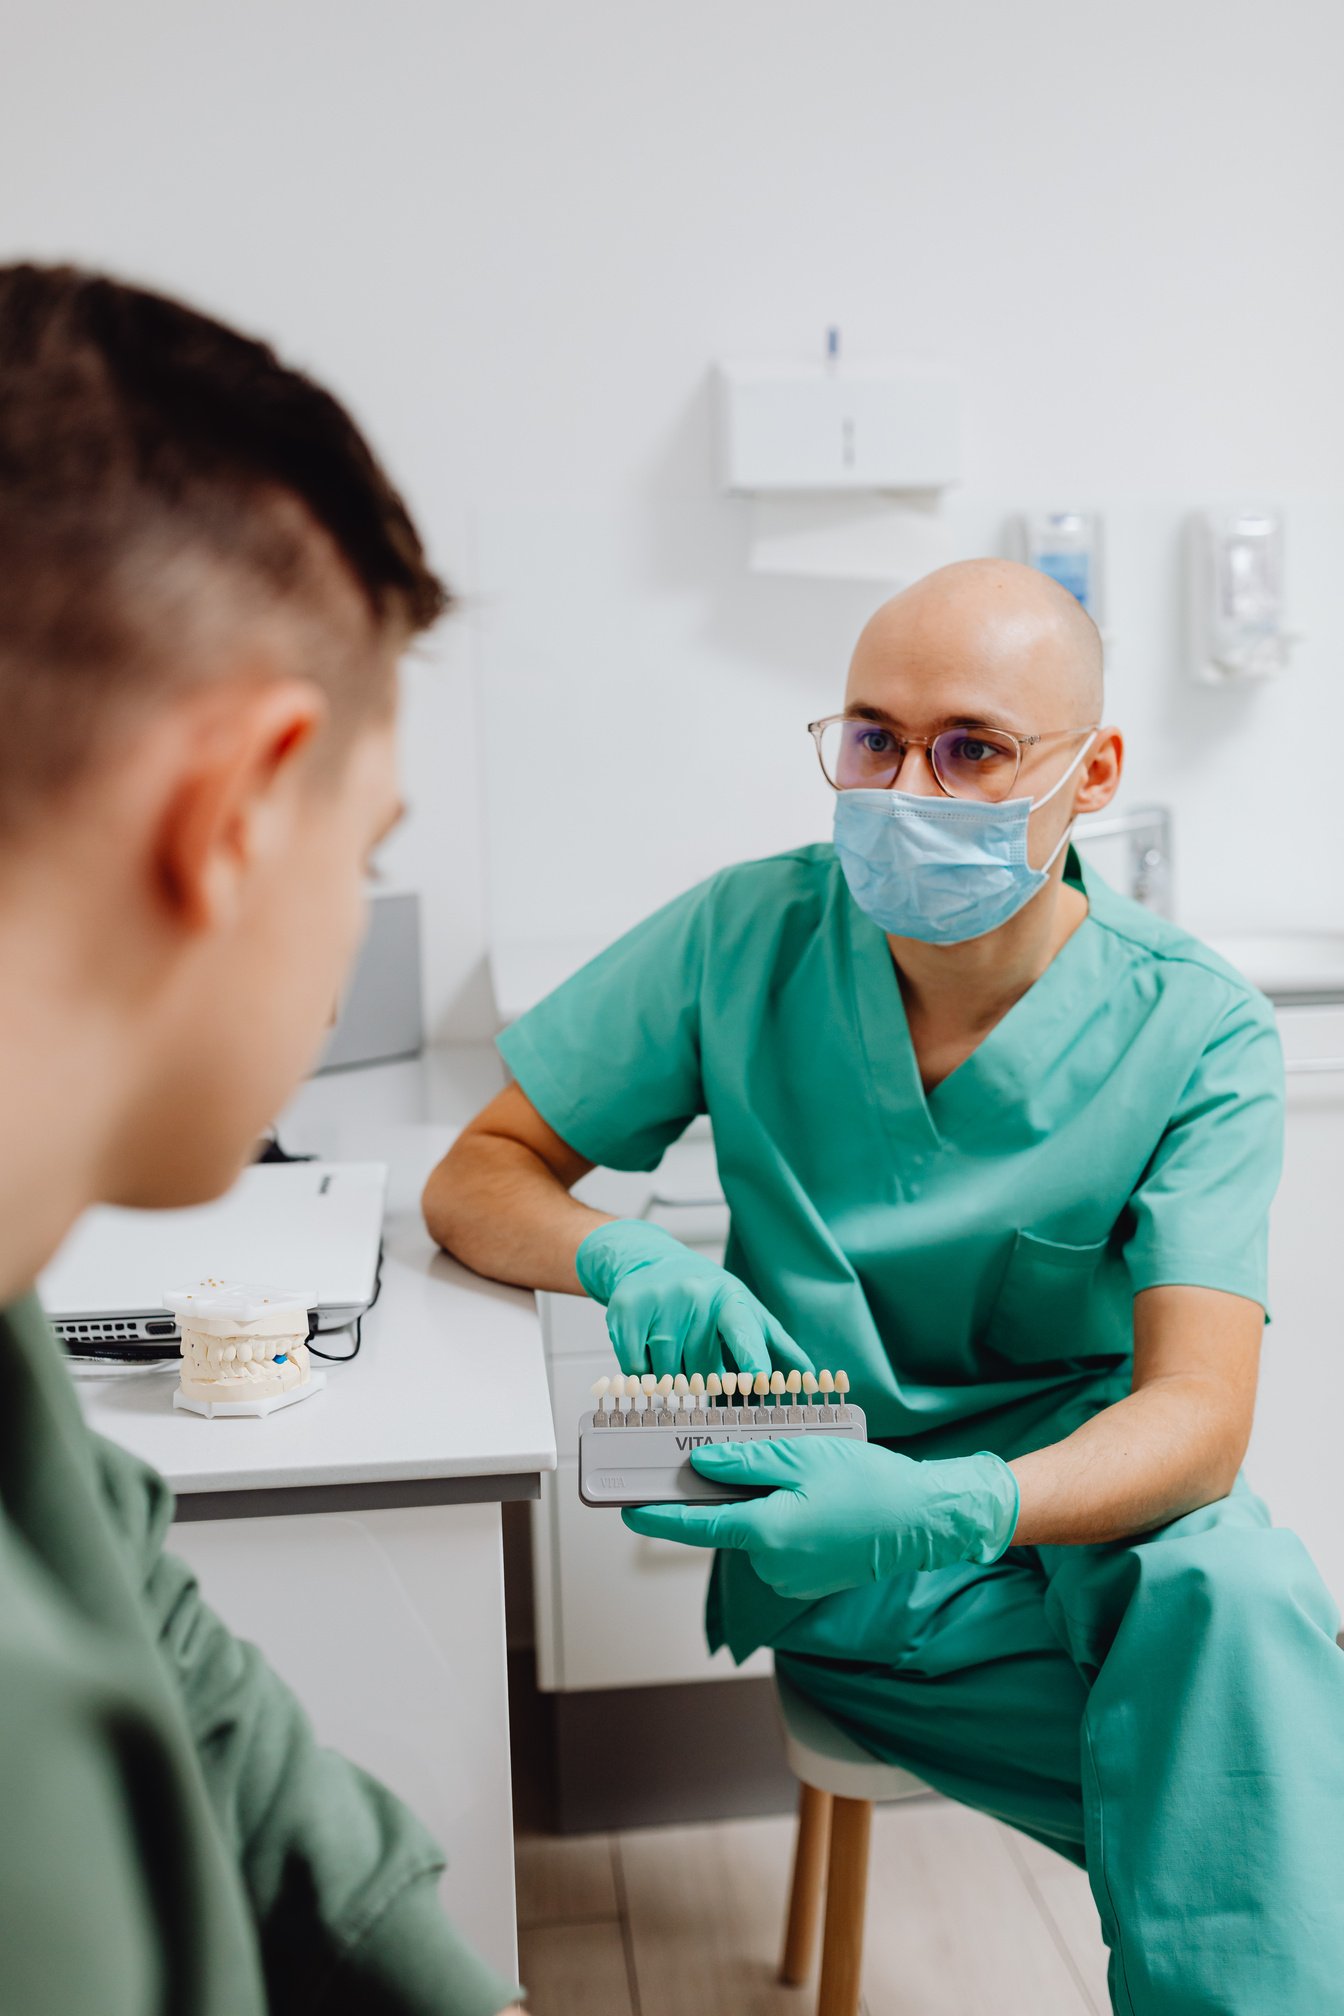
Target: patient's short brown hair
(170, 491)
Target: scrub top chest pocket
(1060, 1303)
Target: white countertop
(450, 1381)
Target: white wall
(516, 236)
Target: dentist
(1003, 1144)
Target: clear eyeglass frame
(903, 743)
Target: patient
(206, 581)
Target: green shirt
(172, 1838)
(969, 1255)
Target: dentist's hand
(671, 1310)
(840, 1513)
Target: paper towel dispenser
(875, 426)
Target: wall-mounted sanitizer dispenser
(1237, 614)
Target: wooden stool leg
(809, 1864)
(846, 1901)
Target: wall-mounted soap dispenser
(1238, 627)
(1067, 545)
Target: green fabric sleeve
(411, 1963)
(1200, 1214)
(611, 1059)
(79, 1926)
(116, 1894)
(340, 1876)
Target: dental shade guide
(635, 1444)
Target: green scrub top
(968, 1255)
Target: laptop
(314, 1228)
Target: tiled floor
(965, 1918)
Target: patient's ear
(228, 800)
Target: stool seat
(820, 1754)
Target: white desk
(356, 1537)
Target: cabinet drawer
(629, 1611)
(1294, 1454)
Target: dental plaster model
(244, 1348)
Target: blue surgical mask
(940, 869)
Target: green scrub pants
(1168, 1712)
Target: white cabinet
(1294, 1460)
(389, 1627)
(613, 1609)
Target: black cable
(339, 1357)
(344, 1357)
(269, 1150)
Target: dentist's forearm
(1162, 1451)
(496, 1206)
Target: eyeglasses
(857, 754)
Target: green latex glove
(841, 1514)
(671, 1310)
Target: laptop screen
(314, 1227)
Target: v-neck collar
(999, 1067)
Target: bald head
(981, 640)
